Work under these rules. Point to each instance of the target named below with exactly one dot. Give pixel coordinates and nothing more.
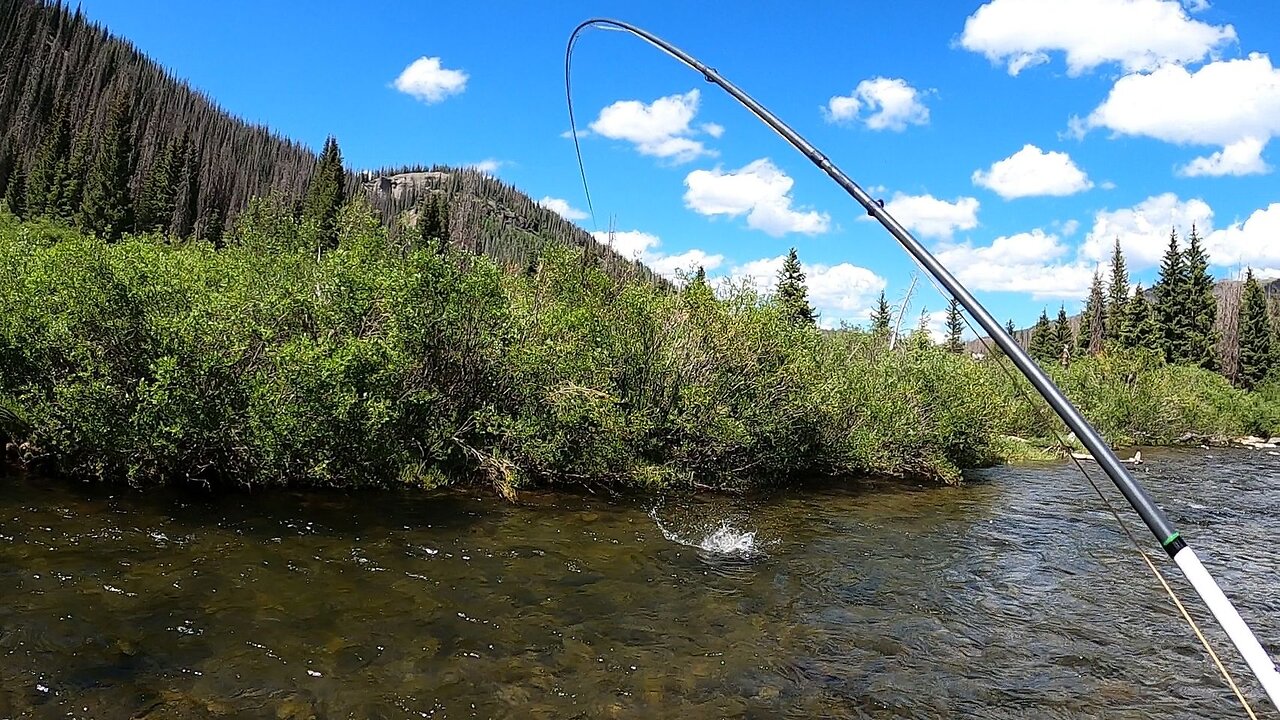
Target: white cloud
(642, 246)
(429, 81)
(661, 128)
(842, 292)
(1137, 34)
(928, 216)
(1030, 262)
(760, 191)
(1144, 229)
(1256, 241)
(1262, 273)
(488, 165)
(890, 104)
(1069, 227)
(562, 208)
(1031, 172)
(1243, 157)
(1234, 104)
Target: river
(1013, 596)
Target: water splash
(724, 539)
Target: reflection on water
(1011, 597)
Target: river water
(1014, 596)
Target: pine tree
(1062, 338)
(881, 320)
(433, 223)
(1202, 307)
(1140, 329)
(71, 192)
(1042, 340)
(792, 294)
(108, 204)
(45, 180)
(157, 201)
(1117, 295)
(1093, 321)
(325, 195)
(16, 196)
(186, 205)
(1170, 308)
(955, 328)
(1256, 350)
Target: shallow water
(1013, 596)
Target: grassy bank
(267, 363)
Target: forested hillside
(94, 133)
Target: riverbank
(265, 363)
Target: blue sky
(1017, 138)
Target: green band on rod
(1169, 539)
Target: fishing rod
(1170, 540)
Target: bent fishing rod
(1170, 540)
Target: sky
(1018, 139)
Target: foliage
(1117, 295)
(108, 202)
(1256, 352)
(955, 327)
(881, 319)
(1093, 330)
(1043, 341)
(1172, 306)
(325, 193)
(261, 363)
(791, 293)
(1202, 307)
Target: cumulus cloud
(1031, 172)
(1137, 34)
(645, 247)
(563, 208)
(760, 191)
(661, 128)
(1143, 229)
(1030, 262)
(931, 217)
(1234, 104)
(429, 81)
(840, 293)
(889, 104)
(488, 165)
(1254, 242)
(1243, 157)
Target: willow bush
(273, 360)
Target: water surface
(1014, 596)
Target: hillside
(62, 77)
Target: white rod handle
(1243, 638)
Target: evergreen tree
(1062, 338)
(1093, 321)
(955, 328)
(1256, 349)
(792, 294)
(1140, 329)
(1117, 295)
(17, 193)
(71, 191)
(157, 201)
(1202, 307)
(433, 223)
(1171, 311)
(108, 204)
(325, 194)
(881, 319)
(45, 180)
(1042, 340)
(700, 276)
(186, 205)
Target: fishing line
(1255, 655)
(1124, 527)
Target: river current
(1012, 596)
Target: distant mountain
(59, 70)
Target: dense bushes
(272, 361)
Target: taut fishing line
(1256, 657)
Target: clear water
(1012, 597)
